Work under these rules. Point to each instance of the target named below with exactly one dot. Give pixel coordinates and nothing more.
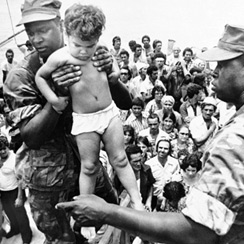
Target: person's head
(83, 25)
(187, 54)
(43, 26)
(195, 70)
(191, 164)
(124, 55)
(152, 72)
(132, 45)
(176, 51)
(137, 106)
(146, 41)
(9, 55)
(129, 134)
(169, 120)
(4, 147)
(193, 91)
(158, 93)
(184, 133)
(142, 70)
(138, 50)
(29, 45)
(168, 102)
(159, 60)
(182, 153)
(153, 122)
(134, 155)
(157, 46)
(144, 144)
(174, 191)
(208, 107)
(163, 147)
(229, 73)
(125, 74)
(116, 41)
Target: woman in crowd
(145, 146)
(169, 124)
(168, 104)
(183, 141)
(191, 165)
(129, 135)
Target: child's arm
(43, 76)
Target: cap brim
(36, 17)
(217, 54)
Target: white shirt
(163, 174)
(8, 180)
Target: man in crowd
(8, 64)
(49, 154)
(214, 210)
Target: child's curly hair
(84, 21)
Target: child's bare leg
(89, 147)
(113, 139)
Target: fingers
(67, 206)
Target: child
(95, 116)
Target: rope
(11, 21)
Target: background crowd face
(163, 149)
(183, 134)
(207, 112)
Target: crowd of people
(82, 119)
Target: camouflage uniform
(50, 172)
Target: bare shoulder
(60, 57)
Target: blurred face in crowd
(163, 149)
(191, 172)
(183, 134)
(124, 75)
(159, 62)
(146, 42)
(168, 106)
(10, 57)
(127, 137)
(117, 44)
(138, 51)
(135, 161)
(188, 56)
(153, 125)
(176, 52)
(124, 58)
(158, 96)
(143, 148)
(137, 111)
(168, 124)
(4, 152)
(158, 47)
(207, 112)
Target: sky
(191, 23)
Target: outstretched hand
(87, 210)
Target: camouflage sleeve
(21, 96)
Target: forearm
(121, 95)
(35, 131)
(159, 226)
